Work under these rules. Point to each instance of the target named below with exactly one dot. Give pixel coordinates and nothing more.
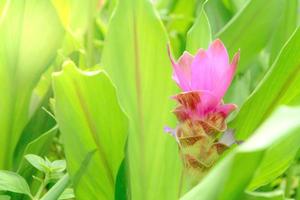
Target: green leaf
(39, 146)
(25, 53)
(122, 189)
(180, 20)
(199, 35)
(279, 86)
(13, 182)
(37, 162)
(4, 197)
(275, 195)
(89, 118)
(67, 194)
(40, 123)
(286, 26)
(218, 14)
(250, 29)
(58, 166)
(68, 12)
(57, 190)
(232, 175)
(138, 63)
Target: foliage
(87, 85)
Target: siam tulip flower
(201, 112)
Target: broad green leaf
(25, 53)
(199, 35)
(57, 190)
(279, 86)
(13, 182)
(138, 63)
(90, 118)
(232, 175)
(286, 26)
(250, 29)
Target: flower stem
(41, 188)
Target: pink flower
(208, 73)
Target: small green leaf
(37, 162)
(13, 182)
(58, 166)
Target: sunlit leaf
(13, 182)
(286, 26)
(138, 64)
(232, 175)
(89, 118)
(250, 29)
(25, 53)
(279, 86)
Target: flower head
(204, 80)
(209, 73)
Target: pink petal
(218, 54)
(185, 62)
(202, 72)
(208, 103)
(225, 82)
(182, 70)
(226, 109)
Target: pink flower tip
(209, 70)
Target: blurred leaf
(68, 11)
(276, 195)
(4, 197)
(67, 194)
(287, 24)
(138, 64)
(13, 182)
(279, 86)
(57, 190)
(231, 176)
(217, 14)
(25, 53)
(199, 35)
(180, 20)
(122, 189)
(90, 118)
(58, 166)
(250, 29)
